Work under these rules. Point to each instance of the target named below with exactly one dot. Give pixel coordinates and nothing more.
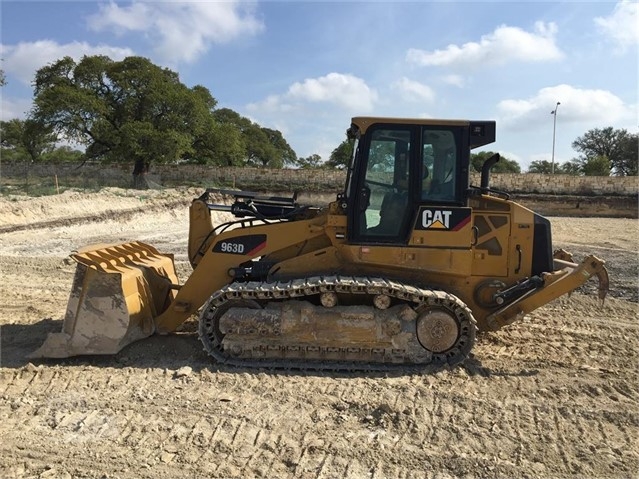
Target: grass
(47, 187)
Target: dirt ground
(554, 395)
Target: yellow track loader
(401, 269)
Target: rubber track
(300, 288)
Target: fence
(93, 176)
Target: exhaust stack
(485, 171)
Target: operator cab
(398, 166)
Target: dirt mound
(581, 206)
(73, 207)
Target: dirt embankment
(554, 395)
(582, 206)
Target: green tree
(63, 154)
(541, 166)
(263, 147)
(596, 166)
(285, 155)
(27, 139)
(617, 145)
(313, 161)
(341, 156)
(504, 165)
(572, 167)
(259, 151)
(125, 111)
(628, 162)
(218, 144)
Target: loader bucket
(116, 294)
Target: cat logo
(436, 219)
(448, 219)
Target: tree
(218, 144)
(27, 138)
(313, 161)
(541, 166)
(341, 156)
(572, 167)
(596, 166)
(259, 151)
(263, 147)
(125, 111)
(504, 165)
(617, 145)
(63, 154)
(628, 164)
(285, 154)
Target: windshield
(439, 165)
(387, 182)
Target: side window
(386, 182)
(439, 165)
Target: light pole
(554, 128)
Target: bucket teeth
(117, 292)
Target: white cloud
(14, 108)
(25, 58)
(344, 90)
(622, 25)
(455, 80)
(314, 113)
(341, 89)
(180, 31)
(414, 91)
(507, 154)
(273, 103)
(135, 17)
(577, 106)
(505, 44)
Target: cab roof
(481, 132)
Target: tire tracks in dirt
(553, 395)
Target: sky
(306, 67)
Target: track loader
(403, 268)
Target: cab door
(411, 194)
(383, 208)
(443, 232)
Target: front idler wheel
(209, 327)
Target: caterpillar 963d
(402, 269)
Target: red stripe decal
(462, 223)
(255, 250)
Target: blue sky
(307, 67)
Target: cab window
(386, 184)
(439, 165)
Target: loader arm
(228, 250)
